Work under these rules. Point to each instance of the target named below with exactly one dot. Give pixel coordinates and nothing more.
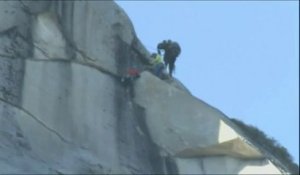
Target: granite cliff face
(64, 110)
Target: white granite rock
(63, 109)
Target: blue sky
(241, 57)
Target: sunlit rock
(63, 109)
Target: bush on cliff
(269, 144)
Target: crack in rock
(40, 122)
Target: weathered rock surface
(199, 137)
(64, 110)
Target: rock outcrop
(63, 109)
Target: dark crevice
(135, 47)
(151, 150)
(138, 153)
(97, 67)
(65, 23)
(171, 165)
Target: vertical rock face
(64, 110)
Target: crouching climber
(157, 65)
(127, 80)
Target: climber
(130, 76)
(171, 52)
(157, 65)
(127, 80)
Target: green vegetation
(269, 144)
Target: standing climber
(128, 79)
(157, 65)
(171, 52)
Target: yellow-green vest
(156, 60)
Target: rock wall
(61, 101)
(64, 110)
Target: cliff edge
(63, 109)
